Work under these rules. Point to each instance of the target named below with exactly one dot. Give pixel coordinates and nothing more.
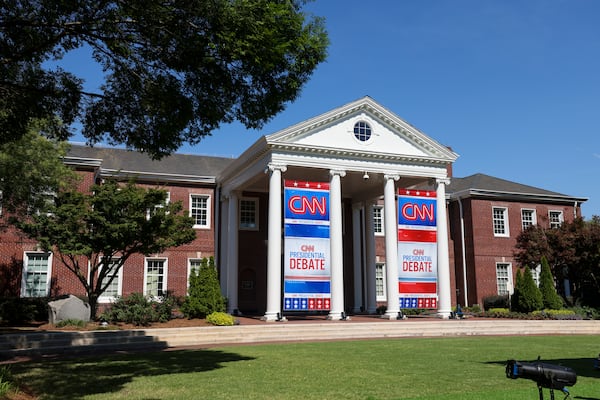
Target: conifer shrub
(551, 299)
(527, 297)
(204, 293)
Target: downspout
(217, 225)
(575, 210)
(464, 251)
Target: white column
(336, 245)
(357, 257)
(232, 254)
(223, 262)
(391, 246)
(274, 246)
(370, 258)
(443, 267)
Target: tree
(32, 170)
(527, 296)
(550, 298)
(105, 228)
(572, 252)
(174, 71)
(204, 294)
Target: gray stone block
(70, 308)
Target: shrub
(220, 319)
(550, 298)
(77, 323)
(204, 294)
(527, 296)
(137, 309)
(14, 310)
(497, 301)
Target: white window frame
(208, 209)
(553, 223)
(536, 274)
(249, 227)
(104, 298)
(504, 221)
(509, 279)
(189, 269)
(161, 205)
(25, 273)
(527, 223)
(380, 232)
(380, 296)
(163, 289)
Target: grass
(436, 368)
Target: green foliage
(15, 310)
(497, 301)
(139, 310)
(220, 319)
(572, 252)
(173, 72)
(7, 381)
(107, 227)
(550, 298)
(32, 169)
(527, 296)
(75, 323)
(204, 293)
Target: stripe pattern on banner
(417, 248)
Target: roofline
(82, 161)
(157, 176)
(515, 195)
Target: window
(535, 274)
(380, 282)
(362, 131)
(378, 220)
(161, 205)
(504, 278)
(527, 218)
(36, 275)
(194, 264)
(500, 220)
(556, 219)
(199, 210)
(155, 277)
(249, 214)
(115, 288)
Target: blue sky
(512, 86)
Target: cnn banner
(307, 272)
(417, 248)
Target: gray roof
(132, 163)
(489, 186)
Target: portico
(364, 153)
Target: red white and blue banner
(307, 271)
(417, 248)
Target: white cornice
(504, 195)
(157, 176)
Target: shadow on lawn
(75, 378)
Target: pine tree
(530, 297)
(204, 295)
(550, 298)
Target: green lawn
(437, 368)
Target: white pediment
(388, 134)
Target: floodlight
(546, 375)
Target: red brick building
(364, 153)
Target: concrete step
(60, 342)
